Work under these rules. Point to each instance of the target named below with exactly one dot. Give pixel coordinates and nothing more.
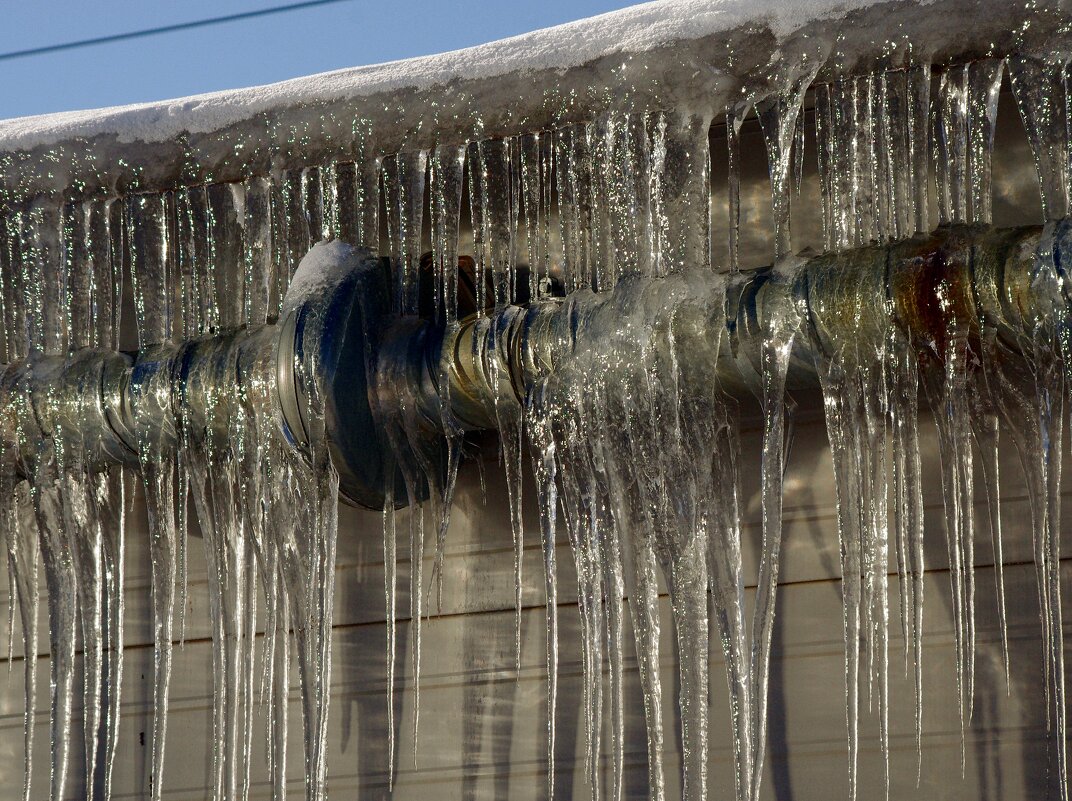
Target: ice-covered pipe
(329, 341)
(955, 278)
(336, 300)
(76, 399)
(333, 315)
(102, 407)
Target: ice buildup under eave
(697, 55)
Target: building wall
(482, 724)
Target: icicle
(863, 151)
(544, 470)
(104, 499)
(948, 384)
(727, 591)
(570, 224)
(346, 210)
(20, 533)
(628, 205)
(8, 533)
(843, 163)
(896, 145)
(617, 500)
(8, 278)
(864, 386)
(62, 615)
(601, 155)
(778, 117)
(43, 254)
(257, 261)
(147, 238)
(500, 185)
(824, 154)
(416, 598)
(213, 488)
(580, 496)
(579, 175)
(908, 515)
(876, 526)
(984, 88)
(610, 559)
(48, 327)
(625, 436)
(498, 201)
(227, 256)
(535, 191)
(406, 192)
(390, 564)
(111, 499)
(883, 195)
(312, 204)
(508, 419)
(1038, 85)
(81, 499)
(1034, 412)
(87, 548)
(148, 242)
(778, 336)
(192, 260)
(414, 454)
(329, 191)
(680, 192)
(919, 101)
(734, 120)
(798, 152)
(366, 190)
(191, 233)
(160, 503)
(845, 455)
(319, 488)
(951, 145)
(1031, 405)
(294, 229)
(446, 174)
(986, 428)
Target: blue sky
(236, 54)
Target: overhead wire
(178, 26)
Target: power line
(179, 26)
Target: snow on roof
(631, 30)
(695, 56)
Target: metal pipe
(956, 276)
(74, 400)
(104, 407)
(337, 365)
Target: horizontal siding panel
(482, 725)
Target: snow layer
(326, 265)
(632, 30)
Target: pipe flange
(333, 314)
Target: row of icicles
(609, 432)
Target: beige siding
(482, 730)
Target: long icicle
(20, 530)
(147, 238)
(778, 117)
(544, 469)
